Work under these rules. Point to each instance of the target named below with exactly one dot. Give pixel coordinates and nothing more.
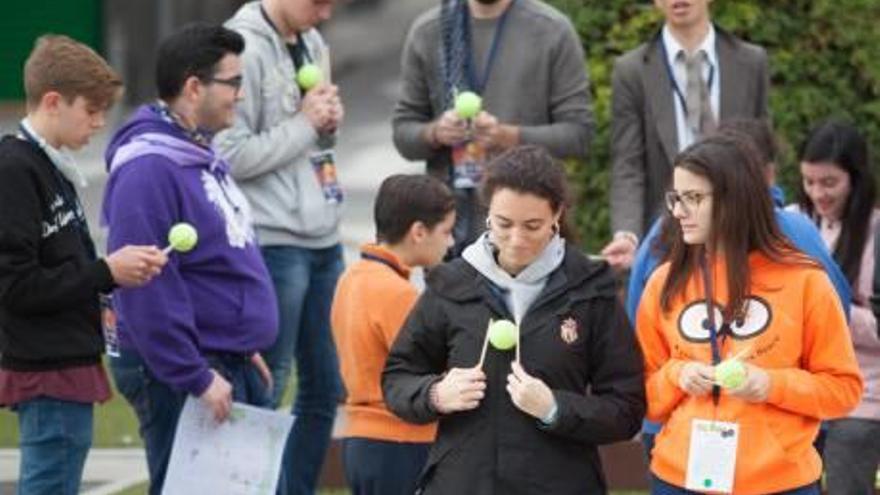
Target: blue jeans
(158, 406)
(305, 281)
(55, 440)
(660, 487)
(375, 467)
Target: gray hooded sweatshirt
(520, 291)
(271, 141)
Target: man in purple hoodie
(195, 330)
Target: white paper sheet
(241, 456)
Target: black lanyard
(713, 328)
(476, 81)
(68, 196)
(299, 53)
(675, 88)
(379, 259)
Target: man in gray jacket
(281, 153)
(666, 93)
(523, 58)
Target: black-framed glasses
(690, 200)
(233, 82)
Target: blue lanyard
(675, 88)
(476, 82)
(713, 328)
(68, 196)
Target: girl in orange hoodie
(742, 387)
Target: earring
(555, 227)
(488, 223)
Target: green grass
(116, 426)
(115, 423)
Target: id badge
(468, 165)
(108, 325)
(324, 164)
(712, 456)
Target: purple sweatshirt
(217, 297)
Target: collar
(199, 136)
(62, 160)
(673, 46)
(377, 252)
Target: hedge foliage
(824, 63)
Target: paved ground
(366, 58)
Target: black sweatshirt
(49, 278)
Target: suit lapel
(733, 78)
(658, 90)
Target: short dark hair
(759, 132)
(194, 50)
(531, 169)
(406, 199)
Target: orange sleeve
(661, 372)
(828, 384)
(395, 307)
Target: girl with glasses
(745, 347)
(838, 193)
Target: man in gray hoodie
(280, 149)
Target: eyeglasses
(233, 82)
(690, 200)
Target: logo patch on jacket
(568, 331)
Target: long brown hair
(841, 144)
(742, 219)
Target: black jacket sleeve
(417, 360)
(614, 407)
(27, 285)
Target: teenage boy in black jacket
(50, 277)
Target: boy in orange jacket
(414, 215)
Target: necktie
(699, 107)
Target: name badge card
(712, 456)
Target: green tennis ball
(468, 104)
(308, 76)
(183, 237)
(503, 334)
(730, 374)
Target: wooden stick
(518, 342)
(485, 346)
(742, 352)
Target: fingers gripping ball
(183, 237)
(503, 335)
(309, 76)
(730, 374)
(468, 104)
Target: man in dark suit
(666, 93)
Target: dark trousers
(158, 406)
(660, 487)
(375, 467)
